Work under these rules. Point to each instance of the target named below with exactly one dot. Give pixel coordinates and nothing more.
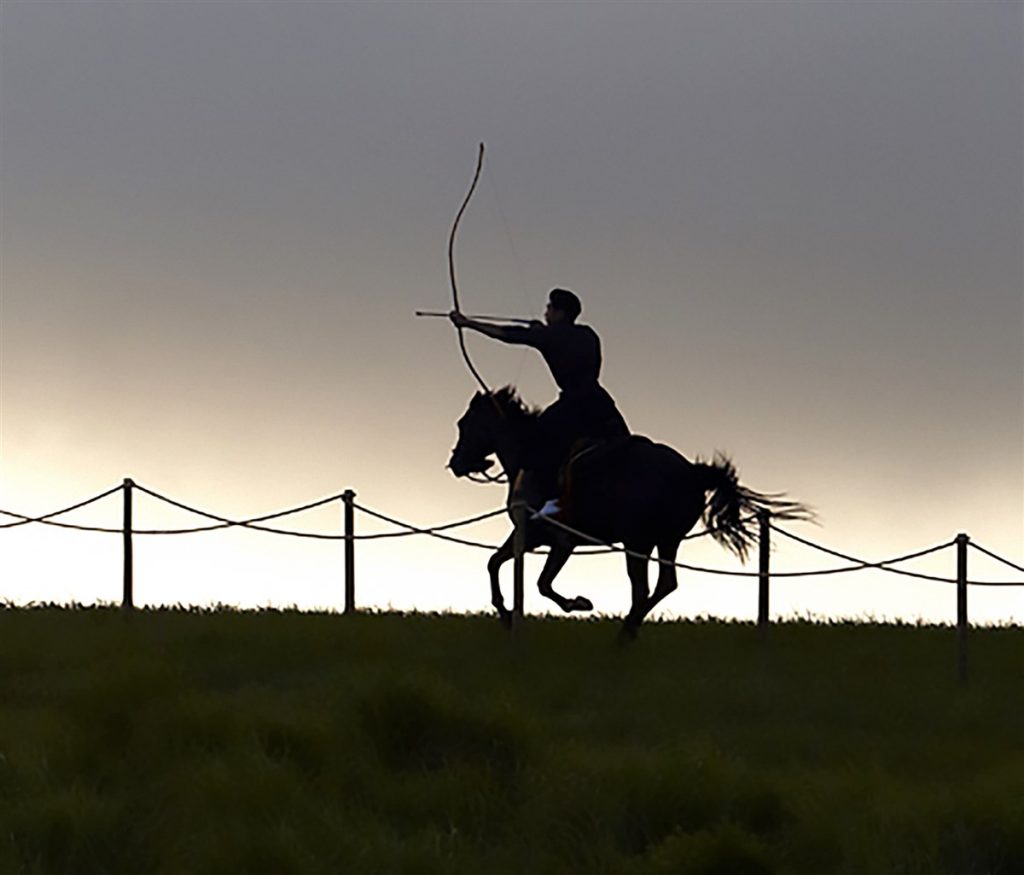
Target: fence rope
(413, 530)
(998, 558)
(434, 532)
(256, 519)
(882, 565)
(72, 526)
(650, 558)
(23, 520)
(996, 583)
(224, 522)
(438, 530)
(885, 563)
(858, 566)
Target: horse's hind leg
(636, 567)
(667, 582)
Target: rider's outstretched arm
(521, 334)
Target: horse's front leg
(499, 558)
(561, 550)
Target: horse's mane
(508, 402)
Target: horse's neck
(511, 450)
(510, 457)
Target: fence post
(127, 599)
(519, 513)
(961, 606)
(763, 573)
(349, 497)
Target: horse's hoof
(505, 618)
(580, 603)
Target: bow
(451, 270)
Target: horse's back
(629, 449)
(634, 485)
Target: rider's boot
(532, 487)
(551, 508)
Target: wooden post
(127, 599)
(763, 572)
(519, 516)
(961, 606)
(348, 497)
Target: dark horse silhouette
(638, 493)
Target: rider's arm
(528, 335)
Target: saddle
(585, 456)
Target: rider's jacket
(583, 409)
(572, 352)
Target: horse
(630, 491)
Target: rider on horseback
(583, 409)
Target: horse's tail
(731, 512)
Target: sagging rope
(436, 532)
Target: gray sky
(796, 226)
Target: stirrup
(551, 508)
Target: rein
(484, 477)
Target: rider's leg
(533, 486)
(539, 487)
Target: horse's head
(488, 417)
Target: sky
(796, 226)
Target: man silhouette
(584, 409)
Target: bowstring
(492, 187)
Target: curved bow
(451, 270)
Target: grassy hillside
(174, 742)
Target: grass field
(176, 742)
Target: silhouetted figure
(584, 409)
(635, 492)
